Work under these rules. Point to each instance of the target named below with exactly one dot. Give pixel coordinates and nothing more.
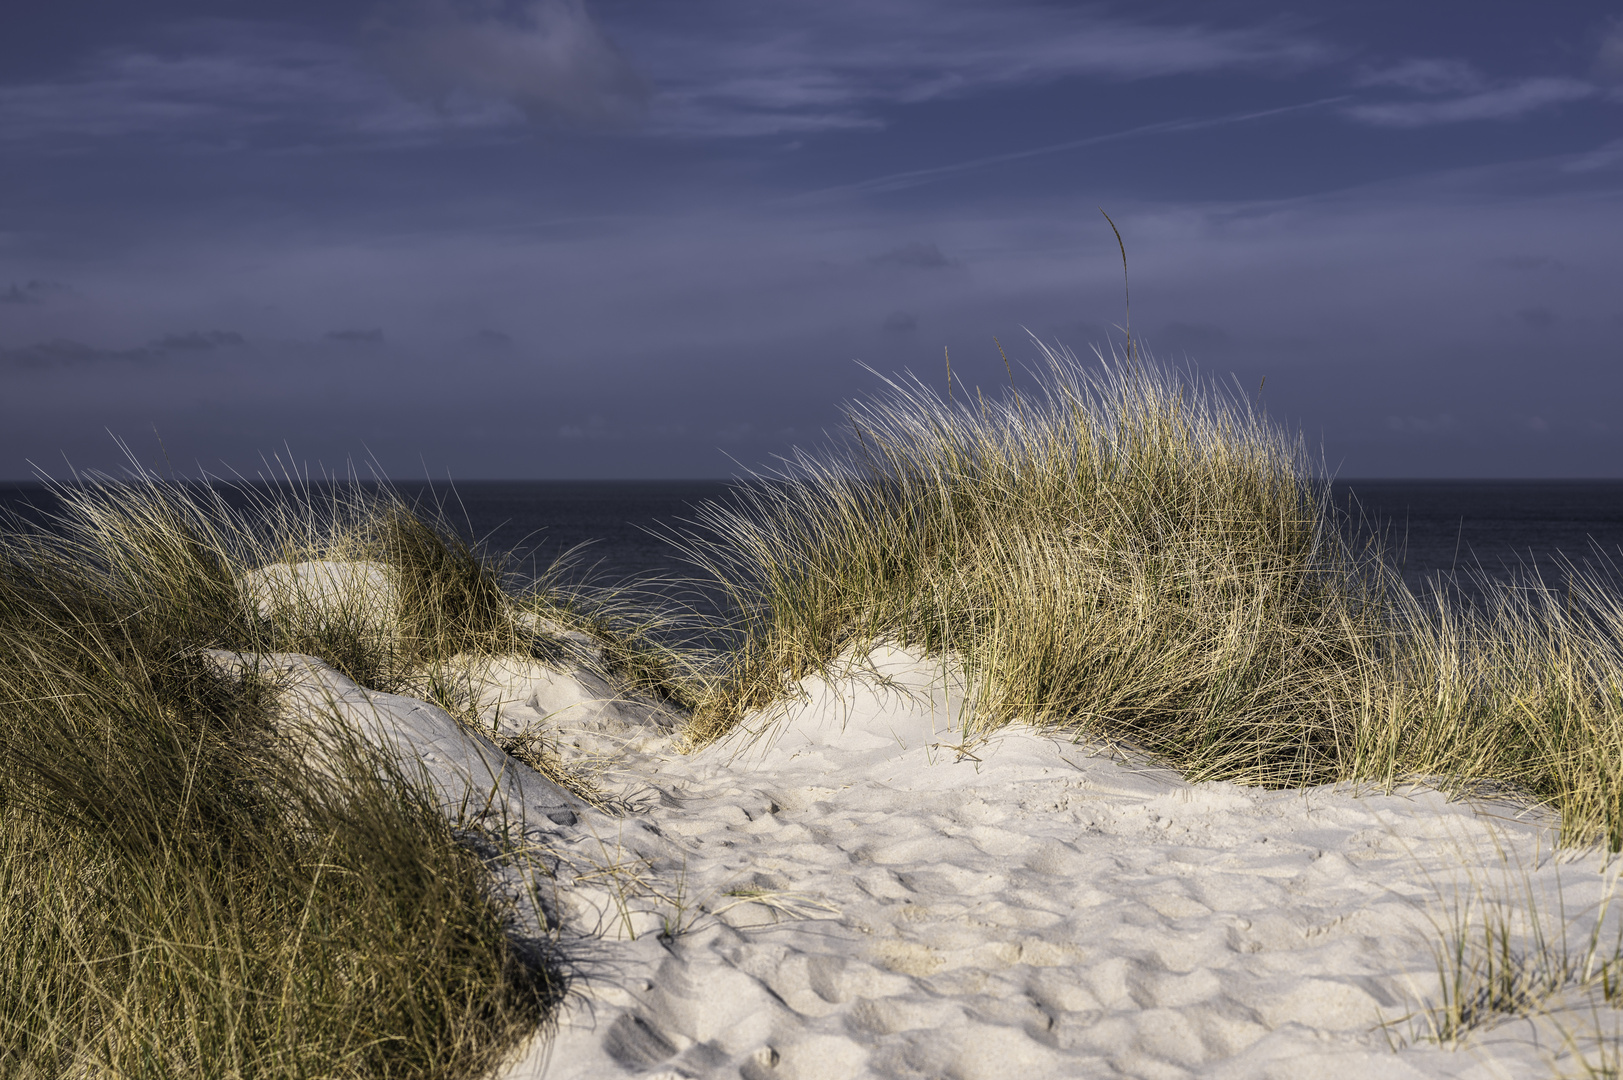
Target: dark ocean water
(1429, 526)
(1500, 528)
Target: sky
(556, 239)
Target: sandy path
(850, 891)
(850, 895)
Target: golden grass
(178, 895)
(1136, 554)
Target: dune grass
(1498, 957)
(1128, 551)
(179, 896)
(1135, 554)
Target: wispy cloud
(67, 352)
(1425, 75)
(226, 84)
(705, 68)
(1609, 57)
(199, 341)
(722, 68)
(63, 352)
(731, 67)
(1508, 102)
(548, 58)
(1606, 156)
(915, 255)
(34, 291)
(356, 337)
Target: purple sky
(627, 238)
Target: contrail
(915, 177)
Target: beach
(1058, 736)
(847, 888)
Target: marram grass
(1128, 551)
(179, 897)
(1132, 553)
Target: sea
(619, 532)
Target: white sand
(471, 778)
(318, 593)
(851, 892)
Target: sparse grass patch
(1502, 953)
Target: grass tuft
(1135, 554)
(179, 894)
(1128, 551)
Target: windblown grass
(1522, 689)
(178, 895)
(1129, 551)
(1135, 554)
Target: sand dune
(848, 888)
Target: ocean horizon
(620, 531)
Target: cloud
(62, 352)
(224, 83)
(1504, 103)
(33, 292)
(1538, 317)
(1609, 57)
(547, 58)
(923, 256)
(66, 352)
(356, 337)
(196, 341)
(900, 322)
(709, 68)
(1602, 157)
(1357, 302)
(492, 339)
(1426, 76)
(915, 177)
(742, 68)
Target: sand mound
(516, 696)
(853, 890)
(314, 596)
(329, 716)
